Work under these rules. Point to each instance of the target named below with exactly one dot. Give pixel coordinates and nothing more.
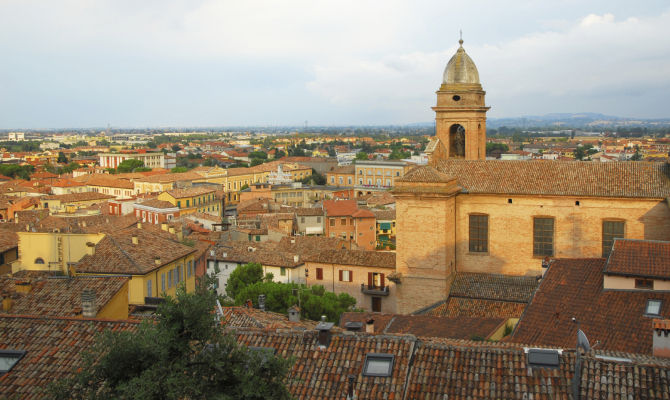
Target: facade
(52, 252)
(341, 176)
(70, 203)
(310, 221)
(155, 211)
(377, 175)
(150, 160)
(200, 199)
(345, 220)
(507, 217)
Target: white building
(150, 160)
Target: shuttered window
(479, 233)
(611, 230)
(543, 237)
(319, 274)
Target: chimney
(370, 326)
(171, 230)
(157, 260)
(90, 248)
(23, 286)
(164, 226)
(661, 340)
(261, 302)
(134, 239)
(296, 258)
(88, 306)
(294, 314)
(324, 331)
(139, 225)
(7, 301)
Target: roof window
(543, 358)
(653, 307)
(9, 358)
(378, 364)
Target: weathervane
(460, 40)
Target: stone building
(462, 213)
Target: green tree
(258, 154)
(176, 147)
(129, 165)
(491, 146)
(243, 276)
(62, 159)
(637, 156)
(256, 161)
(361, 155)
(183, 355)
(179, 169)
(16, 171)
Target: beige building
(462, 213)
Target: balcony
(375, 290)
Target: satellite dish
(583, 341)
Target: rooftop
(642, 258)
(361, 258)
(77, 197)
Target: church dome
(460, 69)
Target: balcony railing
(375, 290)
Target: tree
(361, 155)
(491, 146)
(176, 147)
(258, 154)
(129, 165)
(256, 161)
(399, 154)
(315, 301)
(62, 159)
(637, 156)
(183, 355)
(243, 276)
(179, 169)
(314, 179)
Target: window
(346, 276)
(318, 220)
(149, 288)
(479, 233)
(282, 271)
(332, 179)
(376, 304)
(349, 180)
(332, 222)
(163, 282)
(190, 269)
(39, 260)
(644, 284)
(302, 220)
(343, 221)
(543, 358)
(188, 203)
(170, 279)
(9, 358)
(258, 238)
(543, 237)
(341, 180)
(653, 307)
(378, 364)
(179, 204)
(319, 274)
(375, 280)
(611, 230)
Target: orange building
(345, 220)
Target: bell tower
(460, 113)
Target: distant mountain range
(577, 120)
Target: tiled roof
(361, 213)
(66, 183)
(8, 239)
(309, 212)
(429, 325)
(574, 288)
(361, 258)
(54, 349)
(493, 287)
(305, 245)
(378, 198)
(384, 215)
(644, 258)
(85, 224)
(262, 253)
(171, 177)
(61, 296)
(155, 203)
(106, 181)
(190, 192)
(244, 317)
(339, 208)
(426, 174)
(575, 179)
(116, 253)
(344, 169)
(76, 197)
(462, 306)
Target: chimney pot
(324, 329)
(88, 306)
(370, 326)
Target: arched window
(39, 260)
(457, 141)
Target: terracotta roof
(309, 212)
(171, 177)
(493, 287)
(428, 325)
(426, 174)
(155, 203)
(361, 258)
(84, 224)
(190, 192)
(306, 245)
(244, 317)
(262, 253)
(378, 198)
(61, 296)
(361, 213)
(461, 306)
(575, 179)
(108, 181)
(54, 349)
(66, 183)
(574, 288)
(340, 208)
(384, 215)
(116, 253)
(8, 240)
(77, 197)
(643, 258)
(344, 169)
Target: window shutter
(370, 279)
(382, 280)
(340, 271)
(351, 276)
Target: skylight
(543, 358)
(9, 358)
(378, 364)
(653, 307)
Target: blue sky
(85, 63)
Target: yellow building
(162, 182)
(52, 251)
(155, 262)
(377, 175)
(70, 203)
(193, 199)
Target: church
(463, 213)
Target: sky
(185, 63)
